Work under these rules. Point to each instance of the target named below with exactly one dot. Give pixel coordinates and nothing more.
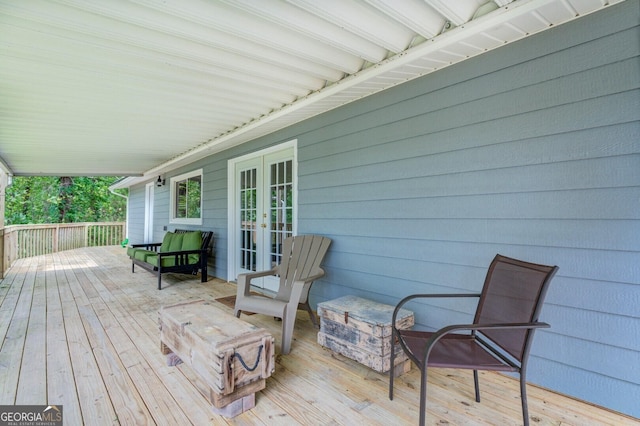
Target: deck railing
(22, 241)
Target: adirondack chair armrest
(317, 275)
(251, 275)
(244, 281)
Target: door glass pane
(281, 214)
(248, 213)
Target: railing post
(4, 182)
(56, 238)
(2, 252)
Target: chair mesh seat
(454, 351)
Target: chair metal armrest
(425, 296)
(475, 327)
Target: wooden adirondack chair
(300, 266)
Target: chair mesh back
(513, 293)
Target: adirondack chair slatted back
(301, 258)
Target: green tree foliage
(45, 199)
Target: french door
(264, 211)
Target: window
(186, 198)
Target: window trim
(172, 198)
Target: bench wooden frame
(181, 258)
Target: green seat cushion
(192, 241)
(169, 261)
(142, 254)
(166, 261)
(166, 241)
(132, 250)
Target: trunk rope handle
(246, 367)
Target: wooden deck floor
(78, 329)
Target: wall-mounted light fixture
(160, 182)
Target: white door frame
(232, 202)
(149, 195)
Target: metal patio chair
(500, 337)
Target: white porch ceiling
(139, 87)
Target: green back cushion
(192, 241)
(176, 242)
(166, 241)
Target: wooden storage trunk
(360, 329)
(215, 344)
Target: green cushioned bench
(182, 251)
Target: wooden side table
(360, 329)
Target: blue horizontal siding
(531, 151)
(584, 354)
(619, 395)
(536, 156)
